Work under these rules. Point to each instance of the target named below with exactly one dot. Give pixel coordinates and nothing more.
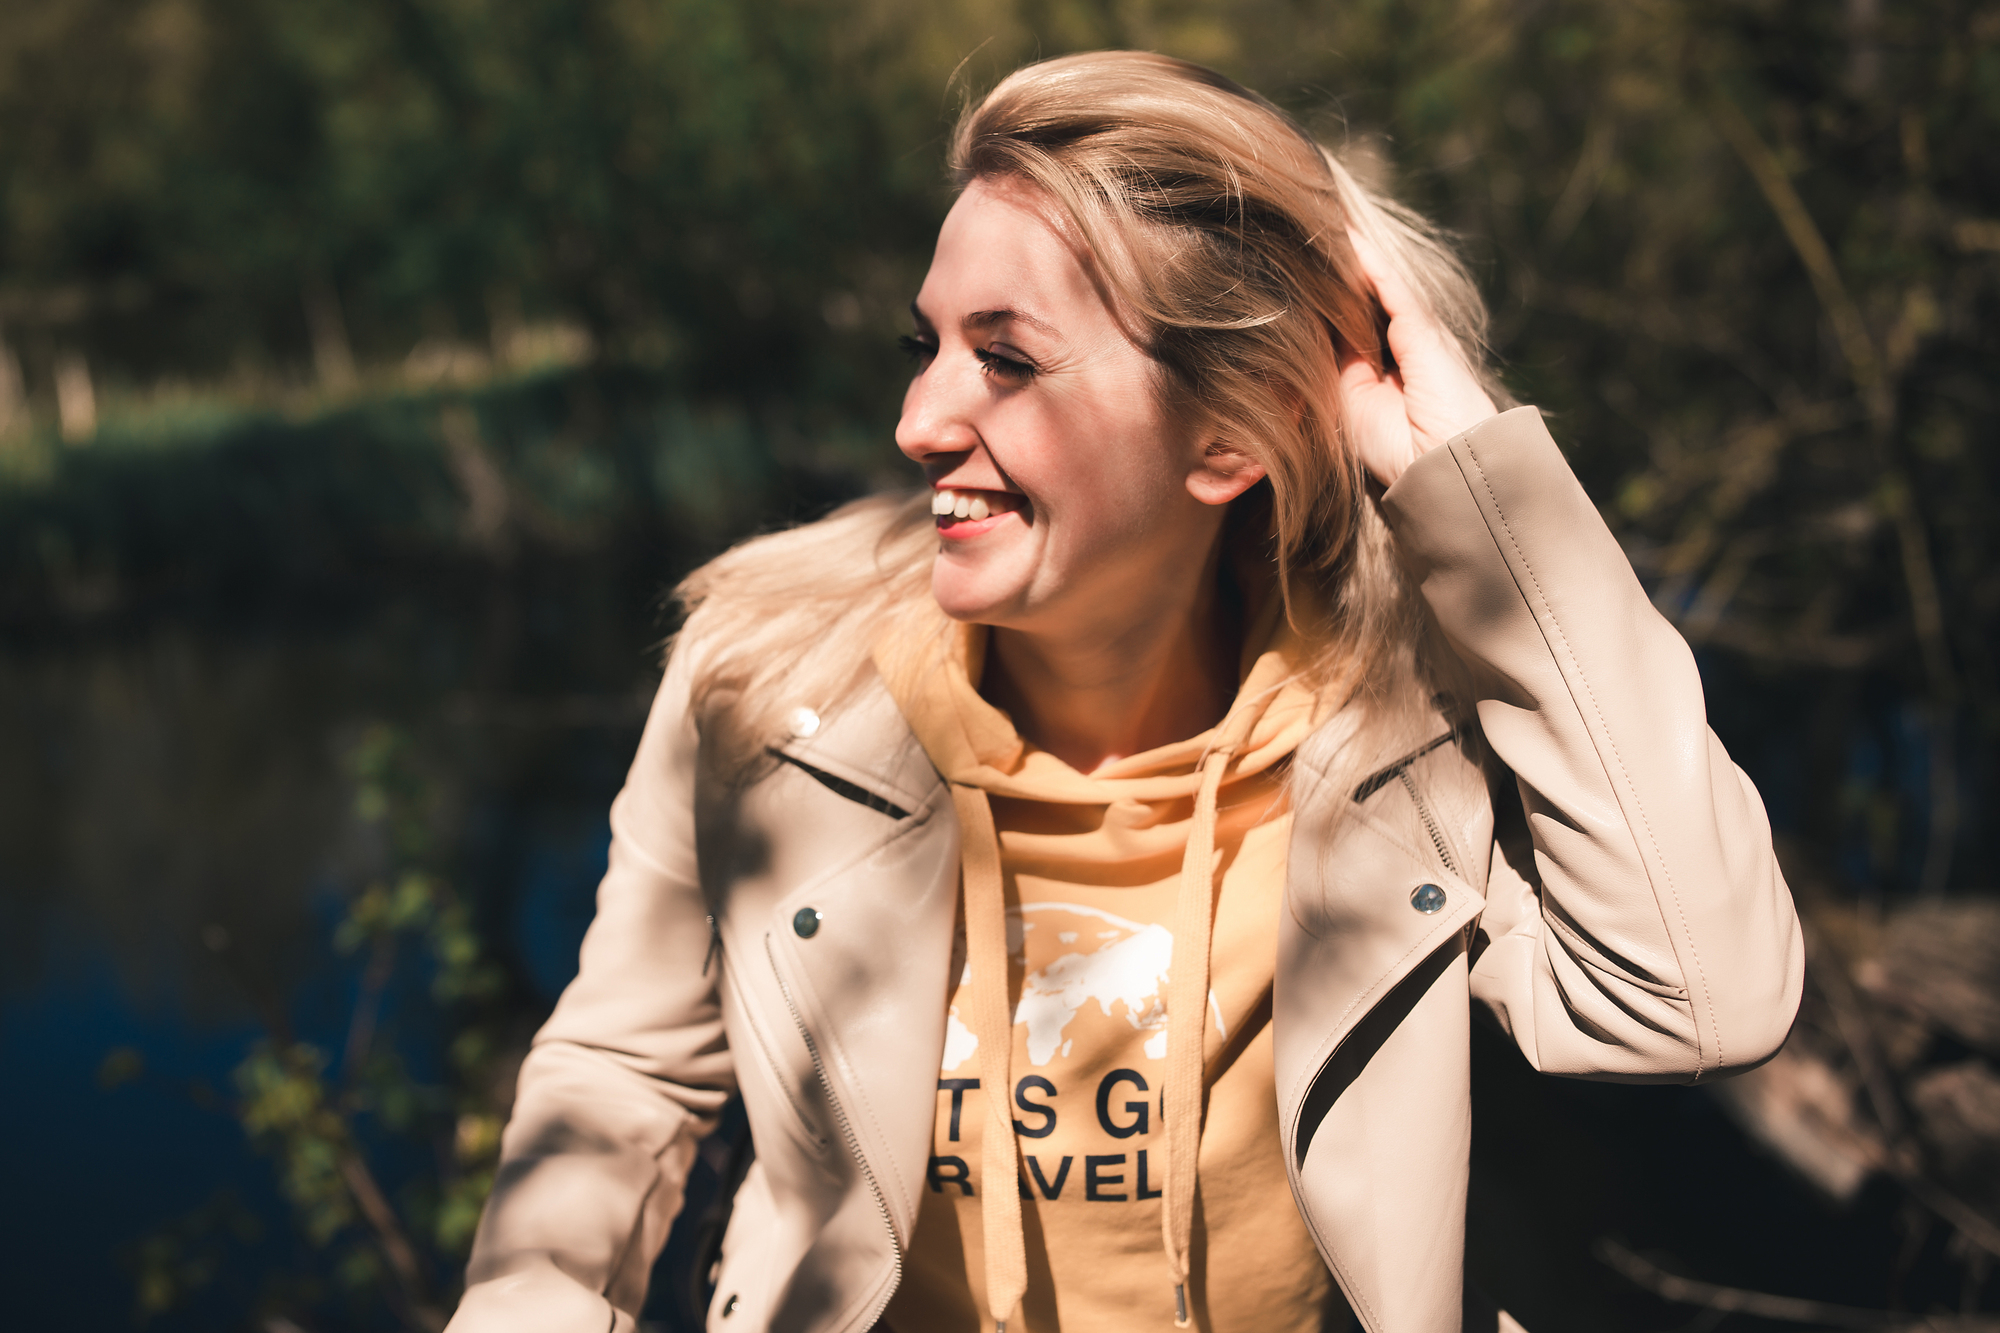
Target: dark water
(190, 841)
(175, 872)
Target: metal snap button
(805, 922)
(804, 723)
(1428, 898)
(729, 1307)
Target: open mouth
(962, 512)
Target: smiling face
(1067, 497)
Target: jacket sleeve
(621, 1083)
(1638, 928)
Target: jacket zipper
(1430, 824)
(771, 1061)
(847, 1136)
(750, 1020)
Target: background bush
(369, 370)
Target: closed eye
(917, 349)
(1004, 367)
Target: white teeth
(962, 504)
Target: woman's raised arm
(1640, 928)
(1636, 925)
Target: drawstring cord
(986, 955)
(1187, 1026)
(992, 1022)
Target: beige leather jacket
(1609, 894)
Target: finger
(1397, 298)
(1413, 331)
(1359, 373)
(1346, 359)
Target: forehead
(1001, 248)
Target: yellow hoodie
(1089, 891)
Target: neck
(1126, 686)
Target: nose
(937, 421)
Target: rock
(1958, 1114)
(1942, 962)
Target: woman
(1086, 870)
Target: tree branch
(396, 1247)
(1863, 362)
(1763, 1305)
(1865, 366)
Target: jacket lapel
(869, 983)
(1370, 1027)
(1370, 1013)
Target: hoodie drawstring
(992, 1023)
(1187, 1026)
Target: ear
(1222, 473)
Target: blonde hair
(1221, 234)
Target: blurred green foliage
(1747, 253)
(189, 181)
(471, 292)
(331, 1123)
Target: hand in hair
(1395, 417)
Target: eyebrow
(986, 319)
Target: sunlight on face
(1038, 424)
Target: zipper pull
(714, 944)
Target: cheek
(1119, 492)
(1100, 521)
(1098, 455)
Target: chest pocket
(840, 786)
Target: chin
(966, 596)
